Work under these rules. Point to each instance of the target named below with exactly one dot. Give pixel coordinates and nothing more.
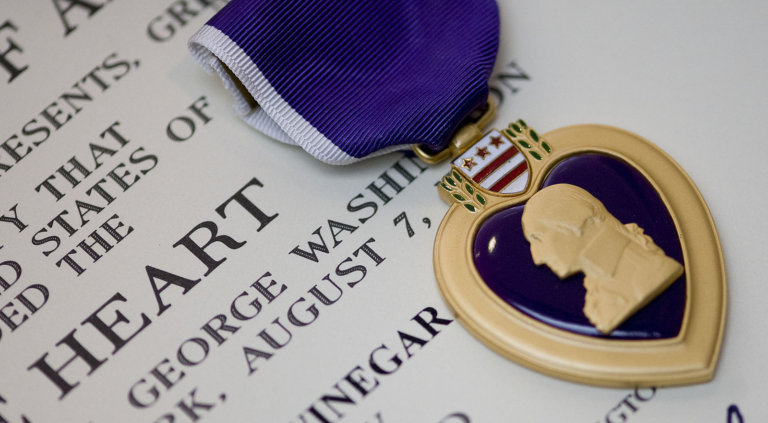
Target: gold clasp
(464, 137)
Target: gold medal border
(690, 357)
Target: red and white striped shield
(495, 164)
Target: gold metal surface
(463, 139)
(571, 231)
(690, 357)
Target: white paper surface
(687, 76)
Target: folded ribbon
(350, 79)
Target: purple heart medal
(586, 253)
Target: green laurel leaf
(450, 181)
(546, 147)
(525, 144)
(459, 197)
(457, 176)
(470, 207)
(480, 199)
(445, 187)
(516, 128)
(469, 189)
(522, 123)
(535, 155)
(534, 135)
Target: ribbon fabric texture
(350, 79)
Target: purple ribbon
(347, 80)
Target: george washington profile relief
(571, 231)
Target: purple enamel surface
(508, 269)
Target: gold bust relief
(571, 231)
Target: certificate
(160, 261)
